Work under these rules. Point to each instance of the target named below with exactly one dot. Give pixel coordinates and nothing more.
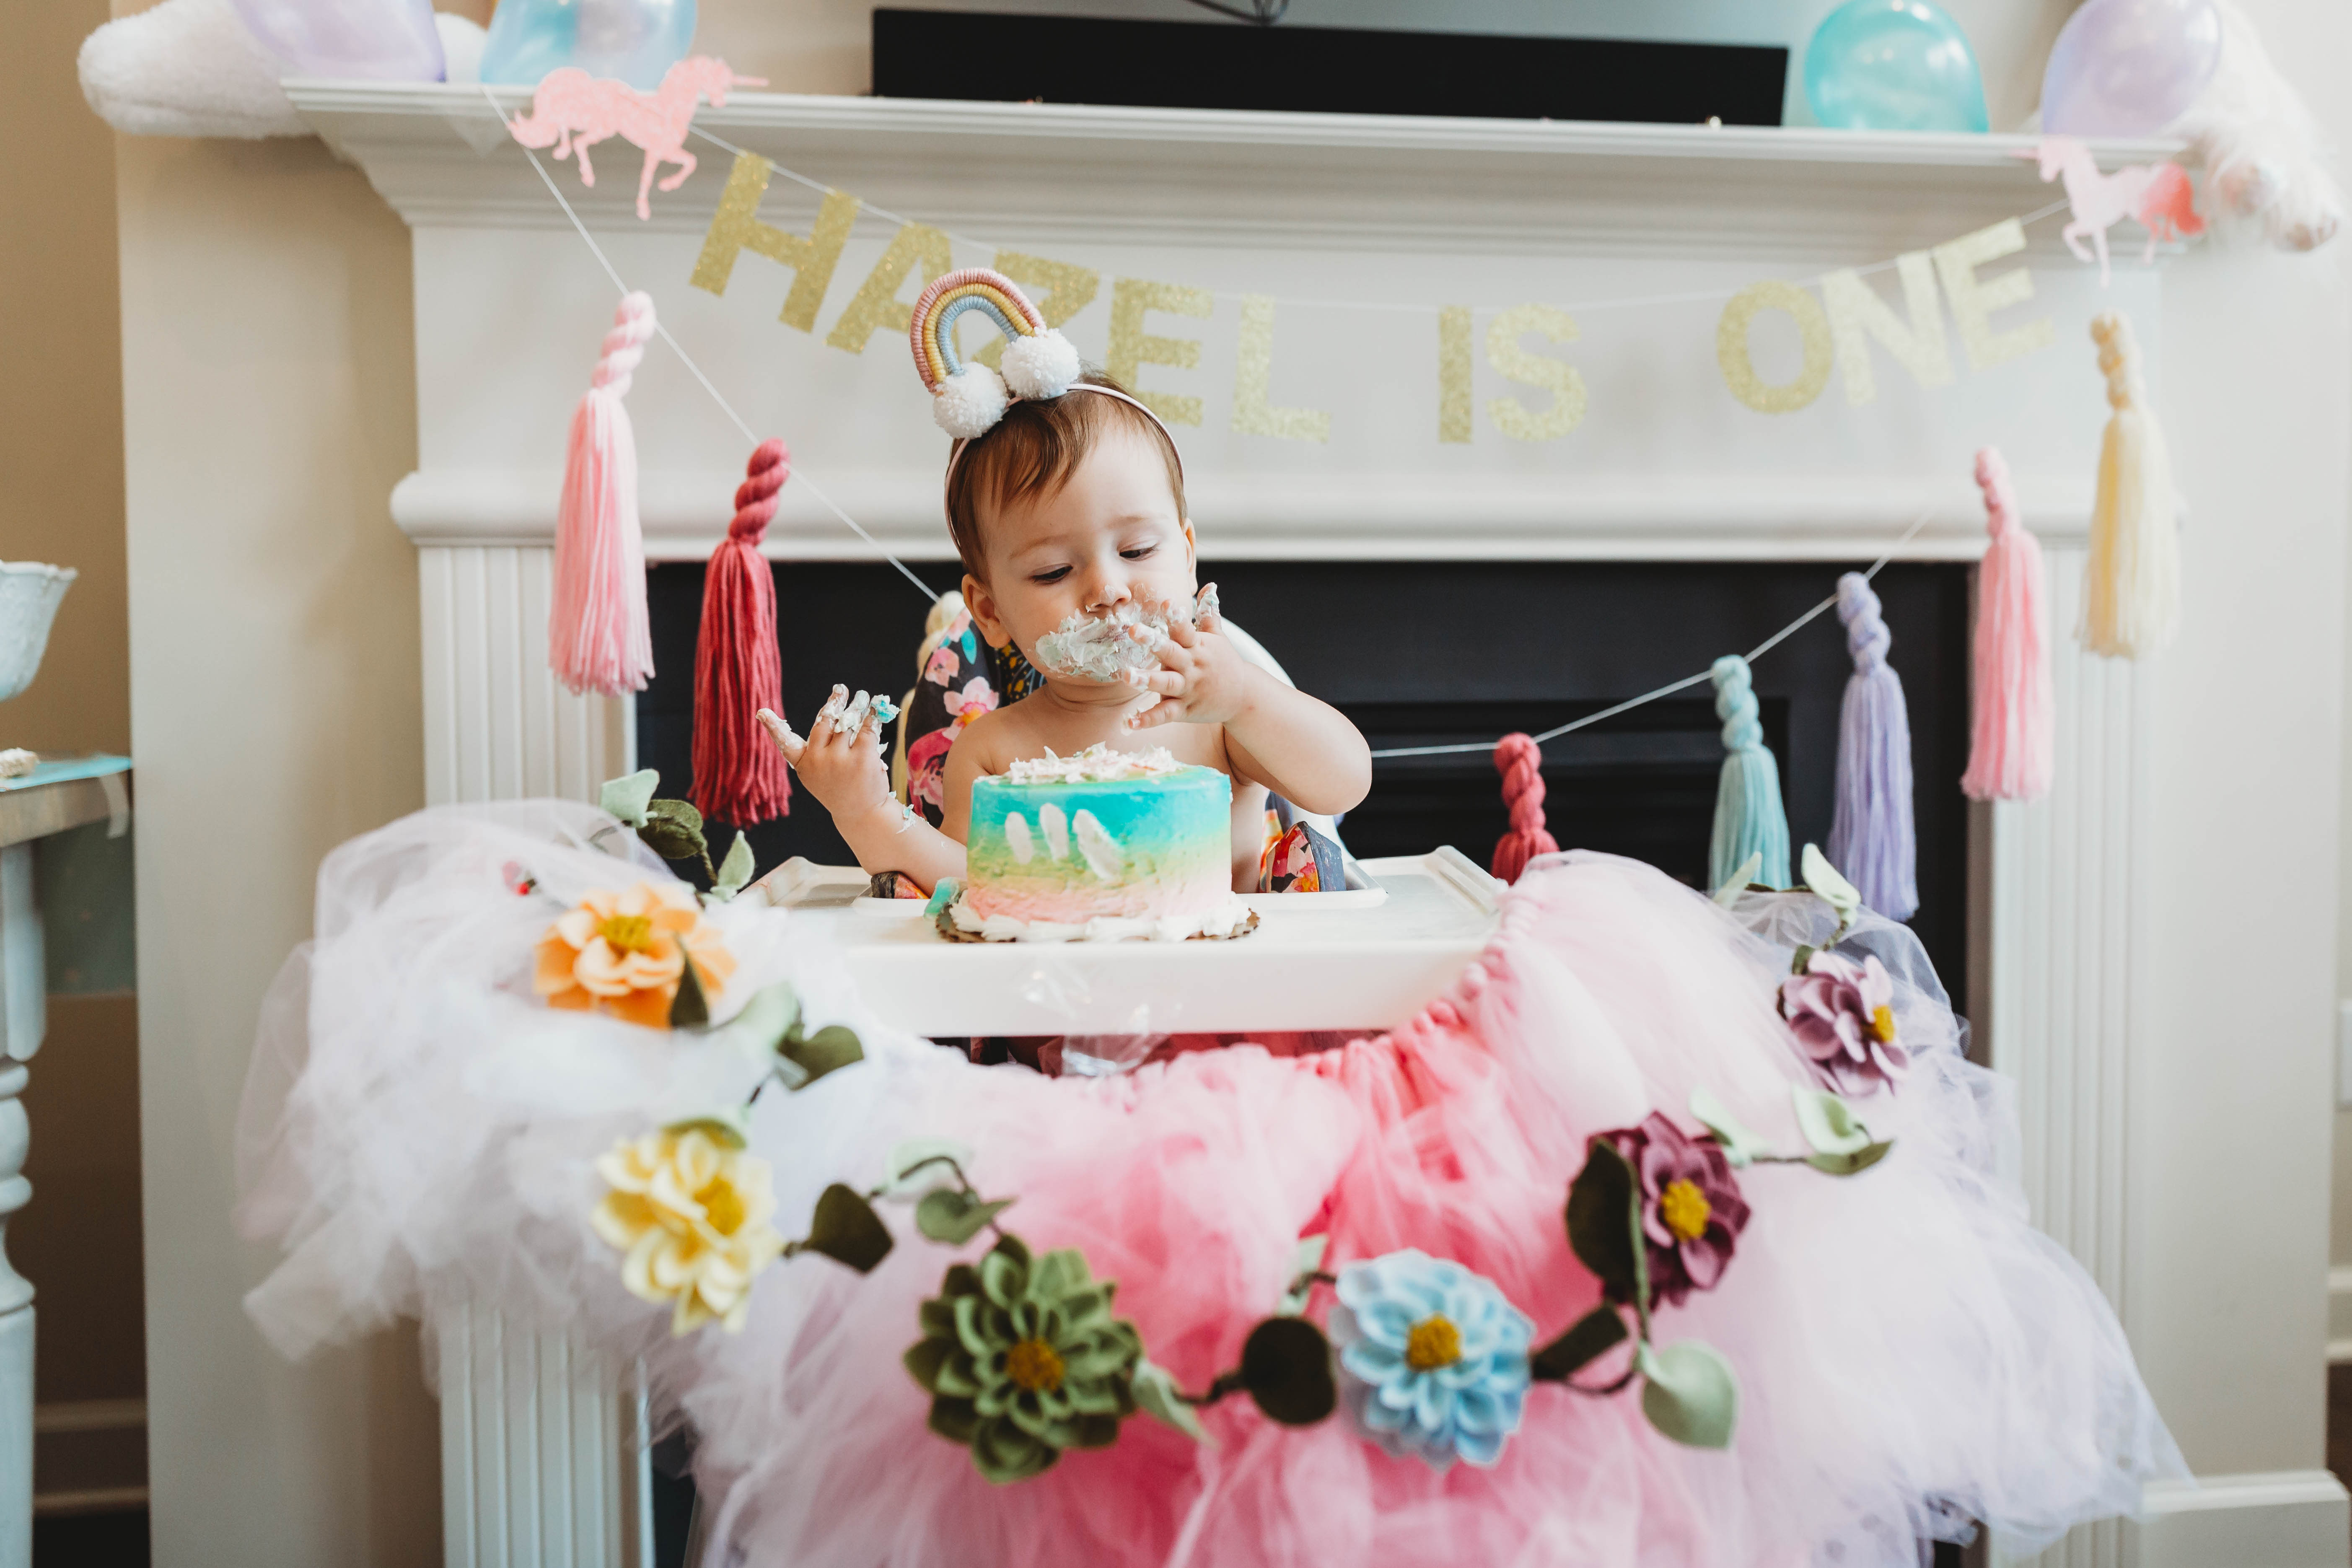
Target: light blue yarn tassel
(1873, 838)
(1749, 819)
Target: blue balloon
(635, 40)
(1892, 65)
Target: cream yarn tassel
(2131, 601)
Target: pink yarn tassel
(1520, 761)
(739, 773)
(2013, 736)
(599, 638)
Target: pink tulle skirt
(419, 1130)
(1911, 1354)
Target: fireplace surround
(539, 1441)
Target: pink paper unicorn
(2154, 196)
(575, 110)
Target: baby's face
(1109, 536)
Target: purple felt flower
(1692, 1213)
(1844, 1015)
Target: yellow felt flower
(624, 953)
(692, 1217)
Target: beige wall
(270, 409)
(61, 501)
(266, 351)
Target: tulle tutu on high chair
(1911, 1353)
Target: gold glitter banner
(1131, 347)
(878, 307)
(1253, 414)
(1842, 319)
(735, 228)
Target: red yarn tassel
(740, 776)
(1520, 761)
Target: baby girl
(1066, 506)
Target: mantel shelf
(436, 152)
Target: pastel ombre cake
(1102, 845)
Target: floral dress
(962, 677)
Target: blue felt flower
(1433, 1359)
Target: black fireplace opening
(1432, 653)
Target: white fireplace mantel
(1307, 207)
(1362, 207)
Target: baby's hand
(842, 768)
(1202, 678)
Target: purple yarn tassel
(1872, 838)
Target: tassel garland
(1520, 761)
(739, 775)
(1749, 819)
(1872, 837)
(599, 638)
(2013, 733)
(2131, 601)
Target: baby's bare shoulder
(996, 737)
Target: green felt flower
(1022, 1358)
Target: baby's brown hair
(1033, 451)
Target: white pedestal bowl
(28, 603)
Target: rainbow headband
(967, 399)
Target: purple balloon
(2129, 68)
(383, 40)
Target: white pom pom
(969, 403)
(1042, 366)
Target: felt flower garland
(1022, 1354)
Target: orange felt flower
(624, 953)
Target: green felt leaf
(626, 798)
(761, 1022)
(1591, 1335)
(673, 829)
(919, 1164)
(1287, 1367)
(1600, 1218)
(1861, 1159)
(690, 1009)
(1739, 1145)
(954, 1418)
(954, 1216)
(729, 1128)
(1689, 1393)
(925, 1359)
(735, 872)
(831, 1048)
(1156, 1396)
(846, 1229)
(1825, 880)
(1305, 1260)
(1728, 894)
(1828, 1123)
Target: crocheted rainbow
(932, 330)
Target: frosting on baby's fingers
(791, 745)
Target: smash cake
(1099, 846)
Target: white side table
(54, 797)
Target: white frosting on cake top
(1097, 765)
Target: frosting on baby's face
(1108, 543)
(1105, 646)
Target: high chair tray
(1316, 960)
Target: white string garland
(688, 359)
(1454, 748)
(1685, 684)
